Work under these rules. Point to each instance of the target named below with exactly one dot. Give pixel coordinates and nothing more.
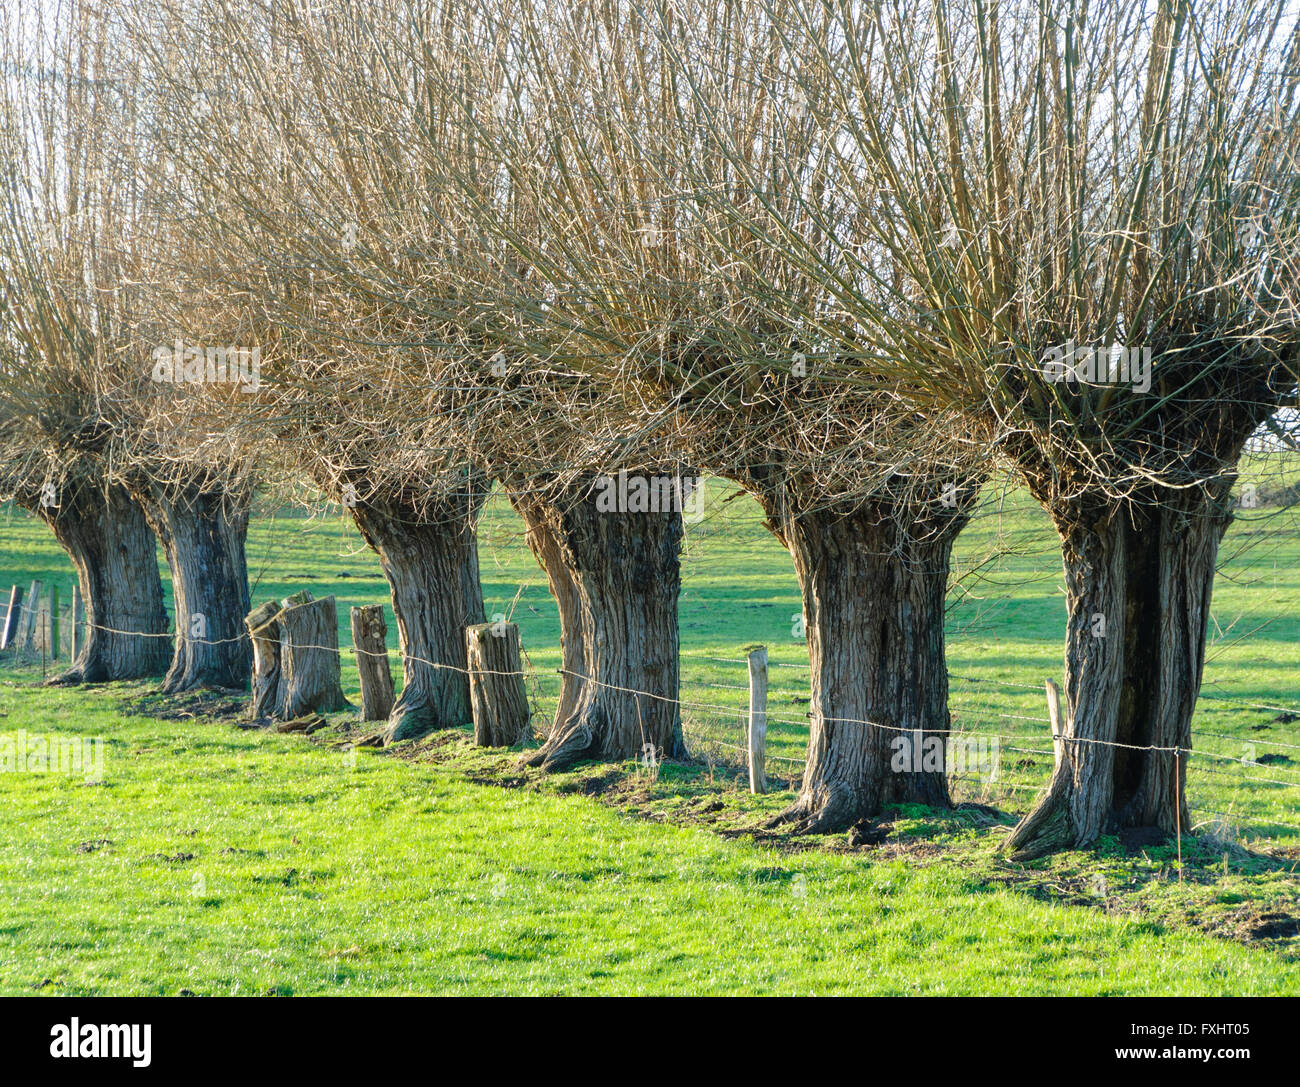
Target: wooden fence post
(496, 685)
(1054, 715)
(54, 622)
(309, 656)
(370, 643)
(27, 631)
(264, 632)
(74, 618)
(758, 719)
(9, 634)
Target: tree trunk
(874, 580)
(202, 527)
(105, 533)
(496, 684)
(429, 554)
(625, 568)
(546, 547)
(370, 641)
(1138, 585)
(309, 657)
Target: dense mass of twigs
(830, 240)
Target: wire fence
(1229, 765)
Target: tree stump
(264, 632)
(370, 642)
(309, 657)
(496, 685)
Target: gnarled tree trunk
(874, 578)
(625, 570)
(429, 554)
(203, 526)
(546, 547)
(1138, 585)
(105, 533)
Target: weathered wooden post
(54, 622)
(496, 685)
(9, 634)
(1054, 715)
(310, 675)
(27, 631)
(758, 719)
(370, 643)
(264, 633)
(74, 621)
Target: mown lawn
(216, 860)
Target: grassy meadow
(211, 859)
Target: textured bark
(309, 657)
(874, 580)
(370, 641)
(202, 527)
(1147, 573)
(105, 533)
(429, 554)
(25, 639)
(625, 569)
(496, 684)
(546, 547)
(264, 632)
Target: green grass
(298, 868)
(223, 862)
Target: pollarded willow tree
(114, 263)
(1087, 219)
(648, 152)
(61, 304)
(339, 163)
(308, 231)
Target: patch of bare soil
(1136, 839)
(1253, 924)
(214, 703)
